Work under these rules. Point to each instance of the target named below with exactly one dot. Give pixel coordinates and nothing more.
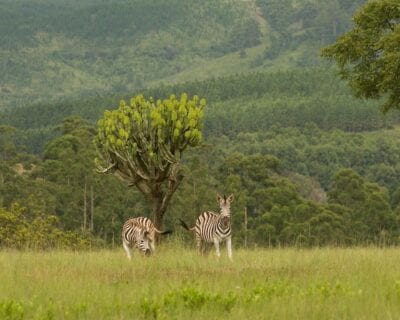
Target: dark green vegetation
(53, 49)
(308, 163)
(56, 49)
(283, 145)
(369, 54)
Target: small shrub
(11, 310)
(150, 309)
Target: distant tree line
(292, 187)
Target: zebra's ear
(230, 198)
(219, 198)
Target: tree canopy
(143, 142)
(368, 55)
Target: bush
(41, 232)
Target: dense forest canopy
(308, 163)
(368, 55)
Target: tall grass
(176, 283)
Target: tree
(347, 189)
(8, 149)
(368, 56)
(19, 230)
(371, 214)
(143, 141)
(68, 163)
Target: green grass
(325, 283)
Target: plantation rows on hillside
(77, 49)
(53, 50)
(241, 103)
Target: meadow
(286, 283)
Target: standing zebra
(140, 232)
(213, 227)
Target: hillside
(53, 50)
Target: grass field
(329, 283)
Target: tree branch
(106, 169)
(172, 187)
(143, 188)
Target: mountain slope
(57, 49)
(52, 49)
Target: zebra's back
(210, 226)
(130, 230)
(142, 222)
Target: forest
(305, 170)
(308, 163)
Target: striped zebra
(213, 227)
(141, 233)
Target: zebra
(141, 233)
(213, 227)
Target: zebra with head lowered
(213, 227)
(141, 233)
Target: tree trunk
(1, 183)
(91, 207)
(245, 226)
(334, 28)
(84, 208)
(160, 197)
(112, 228)
(158, 212)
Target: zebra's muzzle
(147, 252)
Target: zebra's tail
(184, 225)
(163, 232)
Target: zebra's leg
(199, 245)
(229, 247)
(127, 249)
(152, 246)
(216, 244)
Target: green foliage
(11, 310)
(310, 23)
(278, 140)
(368, 55)
(281, 176)
(87, 48)
(54, 51)
(186, 298)
(20, 230)
(371, 214)
(313, 152)
(7, 142)
(64, 184)
(243, 103)
(143, 143)
(147, 136)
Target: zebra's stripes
(213, 227)
(141, 233)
